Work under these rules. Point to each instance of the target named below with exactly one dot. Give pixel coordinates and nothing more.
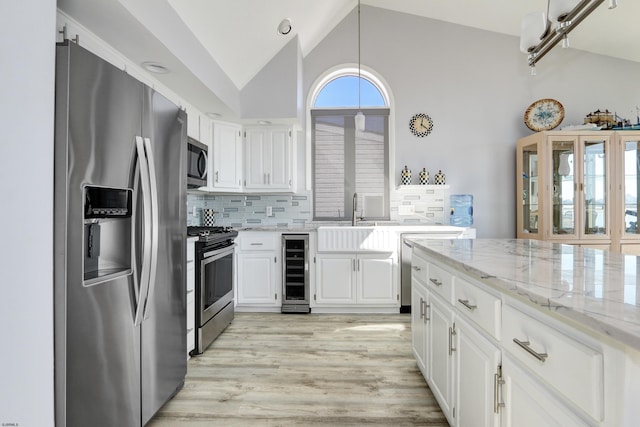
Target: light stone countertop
(596, 290)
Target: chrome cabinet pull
(256, 244)
(452, 332)
(358, 263)
(426, 316)
(421, 308)
(497, 383)
(526, 346)
(435, 282)
(217, 177)
(465, 302)
(416, 268)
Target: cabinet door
(279, 164)
(335, 282)
(419, 319)
(441, 350)
(477, 361)
(227, 160)
(564, 189)
(256, 278)
(375, 284)
(594, 187)
(255, 152)
(528, 404)
(530, 204)
(628, 201)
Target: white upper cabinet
(268, 154)
(226, 165)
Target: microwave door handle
(203, 159)
(147, 240)
(155, 229)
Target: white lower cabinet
(258, 270)
(530, 404)
(441, 336)
(492, 361)
(355, 279)
(419, 322)
(336, 281)
(477, 376)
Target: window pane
(346, 161)
(343, 92)
(370, 166)
(329, 171)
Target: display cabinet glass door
(631, 186)
(564, 187)
(594, 187)
(530, 189)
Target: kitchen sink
(358, 238)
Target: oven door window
(218, 280)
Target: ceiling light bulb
(565, 41)
(613, 4)
(284, 27)
(533, 70)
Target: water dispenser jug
(461, 210)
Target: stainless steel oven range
(214, 283)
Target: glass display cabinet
(628, 192)
(564, 183)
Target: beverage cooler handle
(143, 168)
(154, 224)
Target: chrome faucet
(355, 207)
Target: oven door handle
(215, 252)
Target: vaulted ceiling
(224, 44)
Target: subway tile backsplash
(408, 205)
(251, 210)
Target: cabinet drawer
(258, 242)
(570, 367)
(419, 269)
(479, 306)
(441, 282)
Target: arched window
(345, 160)
(343, 92)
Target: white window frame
(383, 87)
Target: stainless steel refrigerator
(119, 242)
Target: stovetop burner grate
(205, 231)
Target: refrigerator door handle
(155, 232)
(143, 167)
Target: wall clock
(421, 125)
(544, 114)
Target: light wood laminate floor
(270, 369)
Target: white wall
(27, 46)
(475, 85)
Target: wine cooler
(295, 273)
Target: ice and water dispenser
(107, 233)
(461, 210)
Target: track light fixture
(540, 33)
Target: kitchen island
(538, 333)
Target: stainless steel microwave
(197, 159)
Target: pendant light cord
(359, 78)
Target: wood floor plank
(271, 369)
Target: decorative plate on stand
(544, 114)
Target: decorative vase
(208, 217)
(406, 176)
(424, 177)
(439, 178)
